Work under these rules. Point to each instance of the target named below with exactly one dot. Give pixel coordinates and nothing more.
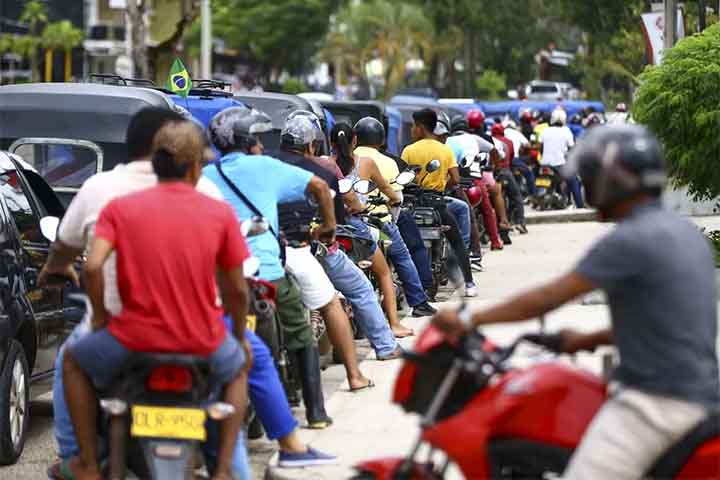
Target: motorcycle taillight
(345, 243)
(546, 171)
(169, 379)
(263, 289)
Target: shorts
(102, 357)
(489, 179)
(316, 290)
(294, 317)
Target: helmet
(319, 135)
(474, 195)
(593, 120)
(235, 128)
(298, 131)
(621, 107)
(536, 115)
(369, 132)
(558, 116)
(476, 119)
(459, 123)
(617, 162)
(525, 115)
(497, 130)
(443, 124)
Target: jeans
(518, 208)
(356, 287)
(413, 241)
(527, 173)
(65, 433)
(461, 212)
(406, 271)
(573, 185)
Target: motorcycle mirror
(432, 166)
(254, 226)
(345, 185)
(405, 178)
(364, 187)
(49, 226)
(251, 266)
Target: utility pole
(670, 30)
(206, 40)
(701, 15)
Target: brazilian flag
(179, 79)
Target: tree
(34, 14)
(138, 34)
(63, 36)
(679, 101)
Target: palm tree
(60, 35)
(34, 14)
(26, 46)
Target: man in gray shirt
(659, 274)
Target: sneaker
(505, 236)
(476, 264)
(471, 290)
(522, 229)
(308, 459)
(423, 310)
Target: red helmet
(497, 130)
(476, 119)
(474, 195)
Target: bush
(491, 85)
(293, 86)
(680, 101)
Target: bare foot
(401, 331)
(82, 472)
(359, 382)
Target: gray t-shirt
(659, 274)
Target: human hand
(449, 322)
(100, 318)
(572, 341)
(68, 272)
(325, 233)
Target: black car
(33, 320)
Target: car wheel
(14, 404)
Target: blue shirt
(265, 181)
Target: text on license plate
(168, 422)
(543, 182)
(251, 322)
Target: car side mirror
(254, 226)
(364, 187)
(432, 166)
(49, 226)
(345, 185)
(405, 178)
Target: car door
(25, 212)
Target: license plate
(167, 422)
(543, 182)
(251, 322)
(430, 233)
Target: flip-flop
(370, 384)
(60, 471)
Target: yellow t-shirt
(388, 169)
(423, 152)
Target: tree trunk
(48, 64)
(139, 53)
(34, 67)
(68, 65)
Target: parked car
(34, 321)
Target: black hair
(166, 168)
(427, 118)
(341, 138)
(143, 127)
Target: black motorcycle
(550, 190)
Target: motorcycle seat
(675, 459)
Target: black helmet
(617, 162)
(235, 128)
(459, 124)
(370, 132)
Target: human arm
(453, 177)
(60, 261)
(382, 183)
(318, 188)
(572, 341)
(235, 297)
(353, 203)
(94, 282)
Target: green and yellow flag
(179, 79)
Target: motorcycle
(496, 422)
(551, 190)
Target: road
(367, 421)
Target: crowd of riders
(121, 219)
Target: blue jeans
(414, 243)
(356, 287)
(576, 192)
(65, 433)
(527, 173)
(404, 266)
(461, 211)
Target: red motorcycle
(501, 423)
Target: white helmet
(558, 116)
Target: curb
(561, 216)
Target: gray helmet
(443, 124)
(369, 131)
(235, 128)
(298, 131)
(459, 124)
(616, 163)
(317, 126)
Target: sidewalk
(559, 216)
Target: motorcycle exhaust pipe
(262, 307)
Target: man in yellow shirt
(423, 151)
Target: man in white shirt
(556, 141)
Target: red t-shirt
(509, 151)
(170, 241)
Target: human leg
(415, 245)
(404, 266)
(475, 244)
(461, 212)
(576, 191)
(527, 173)
(355, 286)
(456, 243)
(489, 218)
(515, 196)
(631, 431)
(498, 202)
(387, 287)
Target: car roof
(276, 105)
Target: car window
(62, 165)
(20, 209)
(544, 89)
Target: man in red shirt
(505, 175)
(170, 241)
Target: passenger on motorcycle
(520, 161)
(75, 235)
(658, 272)
(556, 141)
(296, 148)
(168, 306)
(423, 151)
(505, 175)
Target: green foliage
(294, 86)
(680, 101)
(713, 237)
(61, 35)
(35, 14)
(491, 85)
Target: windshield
(62, 165)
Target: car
(34, 320)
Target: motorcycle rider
(369, 136)
(167, 313)
(421, 153)
(505, 175)
(521, 160)
(659, 274)
(556, 141)
(296, 145)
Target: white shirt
(77, 228)
(556, 142)
(468, 144)
(518, 140)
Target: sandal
(370, 384)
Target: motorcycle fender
(704, 463)
(167, 458)
(385, 468)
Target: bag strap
(244, 199)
